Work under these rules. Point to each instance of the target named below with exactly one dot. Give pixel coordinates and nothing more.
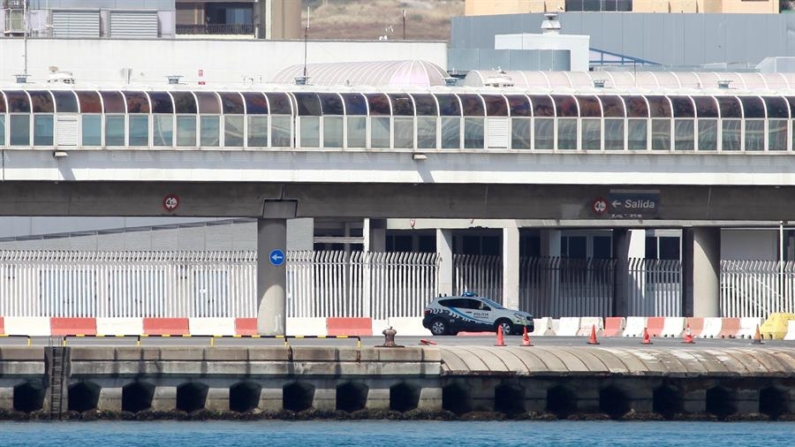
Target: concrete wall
(749, 244)
(223, 61)
(578, 46)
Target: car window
(492, 303)
(476, 304)
(447, 303)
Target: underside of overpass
(676, 205)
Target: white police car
(449, 315)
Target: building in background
(151, 19)
(492, 7)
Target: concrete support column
(547, 302)
(164, 398)
(550, 243)
(325, 399)
(481, 394)
(271, 399)
(627, 245)
(217, 399)
(510, 266)
(109, 399)
(621, 289)
(378, 399)
(271, 279)
(7, 398)
(430, 398)
(444, 246)
(374, 235)
(747, 401)
(694, 401)
(701, 259)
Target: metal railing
(756, 288)
(654, 288)
(562, 287)
(479, 274)
(211, 284)
(216, 29)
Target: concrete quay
(560, 382)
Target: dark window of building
(575, 247)
(602, 247)
(229, 13)
(42, 102)
(651, 247)
(669, 247)
(599, 5)
(398, 243)
(530, 246)
(491, 245)
(470, 245)
(427, 244)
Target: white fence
(376, 285)
(756, 288)
(562, 287)
(211, 284)
(654, 288)
(479, 274)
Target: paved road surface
(374, 341)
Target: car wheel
(438, 327)
(507, 327)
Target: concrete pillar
(377, 399)
(701, 259)
(217, 399)
(481, 393)
(747, 401)
(271, 279)
(621, 290)
(109, 399)
(694, 401)
(271, 399)
(7, 398)
(444, 246)
(550, 243)
(325, 399)
(374, 235)
(510, 266)
(627, 245)
(430, 398)
(164, 398)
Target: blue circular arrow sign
(276, 257)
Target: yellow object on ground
(775, 327)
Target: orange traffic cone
(688, 335)
(500, 340)
(646, 338)
(592, 338)
(526, 338)
(757, 337)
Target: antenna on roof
(306, 44)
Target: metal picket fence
(654, 288)
(756, 288)
(211, 284)
(479, 274)
(562, 287)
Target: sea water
(395, 434)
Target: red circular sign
(599, 206)
(170, 202)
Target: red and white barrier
(635, 327)
(655, 326)
(790, 335)
(614, 326)
(748, 327)
(32, 326)
(673, 327)
(211, 326)
(587, 323)
(120, 326)
(696, 326)
(730, 327)
(542, 327)
(712, 327)
(569, 326)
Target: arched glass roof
(412, 73)
(625, 80)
